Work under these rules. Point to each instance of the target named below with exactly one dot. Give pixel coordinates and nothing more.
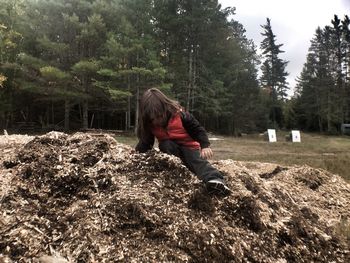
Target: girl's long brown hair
(153, 104)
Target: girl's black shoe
(216, 186)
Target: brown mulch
(87, 198)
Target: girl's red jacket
(182, 128)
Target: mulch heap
(88, 198)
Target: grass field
(331, 153)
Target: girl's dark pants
(192, 159)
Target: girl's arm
(194, 129)
(145, 144)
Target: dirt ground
(87, 198)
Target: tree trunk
(274, 105)
(137, 96)
(85, 104)
(233, 128)
(92, 120)
(320, 127)
(85, 114)
(137, 108)
(66, 114)
(194, 71)
(190, 80)
(52, 113)
(329, 105)
(128, 113)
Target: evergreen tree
(337, 62)
(273, 73)
(84, 62)
(240, 100)
(137, 63)
(58, 82)
(210, 62)
(346, 46)
(345, 51)
(322, 94)
(10, 46)
(308, 102)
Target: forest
(83, 64)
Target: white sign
(272, 135)
(296, 136)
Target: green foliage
(118, 94)
(273, 74)
(86, 67)
(114, 93)
(32, 87)
(9, 42)
(105, 72)
(141, 71)
(99, 56)
(52, 48)
(322, 97)
(159, 73)
(273, 68)
(30, 61)
(53, 74)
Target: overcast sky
(294, 23)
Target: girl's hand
(206, 153)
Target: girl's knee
(169, 147)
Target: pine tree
(210, 62)
(321, 91)
(273, 73)
(58, 82)
(337, 63)
(345, 48)
(10, 47)
(98, 56)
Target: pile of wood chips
(88, 198)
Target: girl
(180, 134)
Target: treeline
(322, 100)
(73, 64)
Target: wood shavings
(87, 198)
